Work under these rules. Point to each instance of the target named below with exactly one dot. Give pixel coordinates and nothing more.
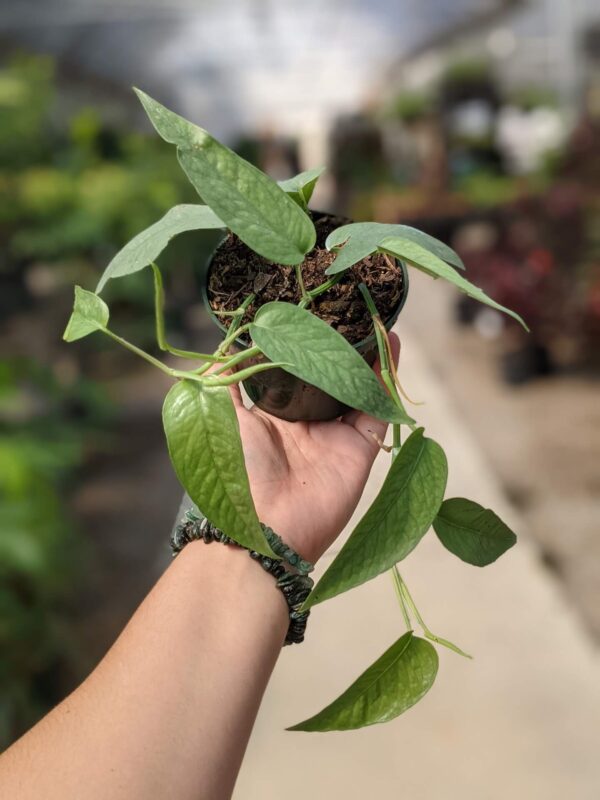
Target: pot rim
(364, 344)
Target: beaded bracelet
(295, 585)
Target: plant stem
(159, 314)
(237, 359)
(324, 287)
(242, 375)
(304, 296)
(141, 353)
(426, 632)
(396, 440)
(398, 588)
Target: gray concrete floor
(521, 720)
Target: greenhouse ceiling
(241, 63)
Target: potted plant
(273, 285)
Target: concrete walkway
(522, 720)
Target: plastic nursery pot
(284, 395)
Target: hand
(307, 477)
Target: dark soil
(237, 271)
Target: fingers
(371, 429)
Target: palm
(307, 477)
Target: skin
(169, 710)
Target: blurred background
(475, 120)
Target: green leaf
(206, 450)
(397, 520)
(319, 355)
(360, 239)
(388, 688)
(473, 533)
(90, 313)
(145, 248)
(432, 265)
(301, 186)
(247, 200)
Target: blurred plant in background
(72, 192)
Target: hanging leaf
(473, 533)
(146, 247)
(90, 313)
(432, 265)
(206, 450)
(397, 520)
(361, 239)
(388, 688)
(301, 186)
(247, 200)
(319, 355)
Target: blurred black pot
(284, 395)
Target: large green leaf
(397, 520)
(319, 355)
(301, 186)
(473, 533)
(90, 313)
(390, 686)
(360, 239)
(429, 263)
(248, 201)
(206, 450)
(145, 248)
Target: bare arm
(169, 711)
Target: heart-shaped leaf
(204, 443)
(396, 521)
(473, 533)
(390, 686)
(251, 204)
(360, 239)
(90, 313)
(319, 355)
(429, 263)
(145, 248)
(301, 186)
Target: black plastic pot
(284, 395)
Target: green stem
(396, 440)
(241, 375)
(304, 296)
(398, 588)
(324, 287)
(141, 353)
(237, 359)
(159, 315)
(426, 632)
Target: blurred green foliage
(72, 192)
(42, 422)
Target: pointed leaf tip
(90, 313)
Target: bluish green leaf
(473, 533)
(432, 265)
(247, 200)
(206, 450)
(388, 688)
(90, 313)
(319, 355)
(145, 248)
(360, 239)
(301, 186)
(397, 520)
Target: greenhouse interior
(474, 121)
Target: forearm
(169, 710)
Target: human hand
(306, 478)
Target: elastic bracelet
(294, 583)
